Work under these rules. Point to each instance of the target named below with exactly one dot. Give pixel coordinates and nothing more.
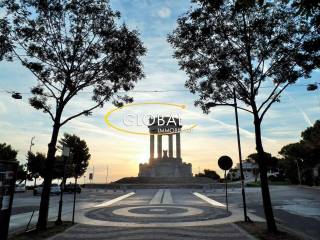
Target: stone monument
(165, 164)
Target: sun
(143, 157)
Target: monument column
(159, 140)
(151, 146)
(178, 146)
(170, 146)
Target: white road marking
(157, 198)
(167, 198)
(112, 201)
(209, 200)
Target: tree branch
(269, 97)
(46, 110)
(211, 104)
(81, 113)
(273, 100)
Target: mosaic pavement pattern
(157, 214)
(224, 231)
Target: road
(295, 207)
(25, 203)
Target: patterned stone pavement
(156, 214)
(88, 232)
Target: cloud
(164, 12)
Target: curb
(60, 234)
(251, 237)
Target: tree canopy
(7, 153)
(35, 163)
(271, 161)
(80, 156)
(70, 47)
(307, 151)
(209, 174)
(224, 45)
(241, 48)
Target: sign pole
(225, 178)
(74, 197)
(225, 163)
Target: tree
(21, 173)
(242, 46)
(80, 154)
(70, 46)
(303, 154)
(35, 163)
(7, 153)
(209, 174)
(311, 143)
(271, 161)
(79, 158)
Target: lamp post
(31, 145)
(246, 218)
(65, 155)
(299, 172)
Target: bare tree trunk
(49, 165)
(263, 178)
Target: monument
(166, 163)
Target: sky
(121, 153)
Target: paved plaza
(172, 213)
(157, 214)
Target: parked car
(20, 187)
(72, 188)
(55, 189)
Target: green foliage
(271, 161)
(35, 163)
(70, 46)
(241, 44)
(7, 153)
(304, 154)
(308, 149)
(21, 173)
(209, 174)
(76, 165)
(79, 160)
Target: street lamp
(16, 95)
(30, 148)
(246, 218)
(298, 167)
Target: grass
(258, 230)
(52, 230)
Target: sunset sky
(214, 135)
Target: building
(250, 171)
(165, 164)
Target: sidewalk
(217, 232)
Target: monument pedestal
(165, 165)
